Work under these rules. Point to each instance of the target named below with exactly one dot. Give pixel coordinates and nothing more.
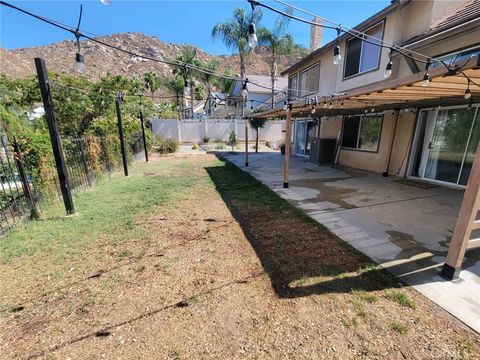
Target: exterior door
(451, 147)
(301, 134)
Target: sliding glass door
(451, 145)
(305, 132)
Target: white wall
(193, 131)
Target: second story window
(362, 56)
(309, 81)
(292, 87)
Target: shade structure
(447, 86)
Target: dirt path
(206, 284)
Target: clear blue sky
(188, 22)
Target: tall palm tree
(177, 87)
(208, 78)
(278, 42)
(234, 33)
(151, 82)
(187, 57)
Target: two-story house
(435, 142)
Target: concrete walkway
(404, 228)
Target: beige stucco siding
(377, 161)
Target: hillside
(101, 60)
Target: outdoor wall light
(252, 36)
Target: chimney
(316, 35)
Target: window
(361, 55)
(362, 132)
(309, 81)
(455, 56)
(292, 87)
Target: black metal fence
(14, 206)
(87, 159)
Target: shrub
(206, 139)
(166, 146)
(232, 139)
(220, 146)
(195, 147)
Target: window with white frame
(309, 81)
(363, 54)
(362, 132)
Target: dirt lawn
(215, 267)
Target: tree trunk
(242, 66)
(191, 97)
(256, 142)
(273, 73)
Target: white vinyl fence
(194, 131)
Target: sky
(184, 22)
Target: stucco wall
(377, 161)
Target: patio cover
(446, 87)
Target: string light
(244, 89)
(79, 59)
(388, 68)
(252, 36)
(426, 77)
(336, 51)
(106, 2)
(468, 94)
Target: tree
(257, 124)
(232, 139)
(234, 33)
(279, 43)
(187, 57)
(209, 78)
(151, 82)
(177, 87)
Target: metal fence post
(84, 161)
(120, 133)
(23, 178)
(54, 135)
(143, 135)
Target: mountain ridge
(99, 60)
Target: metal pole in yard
(120, 132)
(288, 129)
(143, 135)
(54, 135)
(23, 178)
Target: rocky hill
(101, 60)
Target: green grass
(401, 298)
(109, 209)
(365, 296)
(399, 327)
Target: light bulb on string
(106, 2)
(388, 70)
(336, 55)
(468, 93)
(426, 77)
(336, 51)
(252, 36)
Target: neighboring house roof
(259, 84)
(395, 5)
(465, 13)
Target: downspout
(385, 173)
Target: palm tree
(152, 82)
(257, 124)
(234, 33)
(187, 57)
(209, 78)
(177, 87)
(278, 42)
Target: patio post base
(285, 185)
(385, 174)
(449, 272)
(246, 164)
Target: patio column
(288, 129)
(466, 223)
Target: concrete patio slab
(404, 228)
